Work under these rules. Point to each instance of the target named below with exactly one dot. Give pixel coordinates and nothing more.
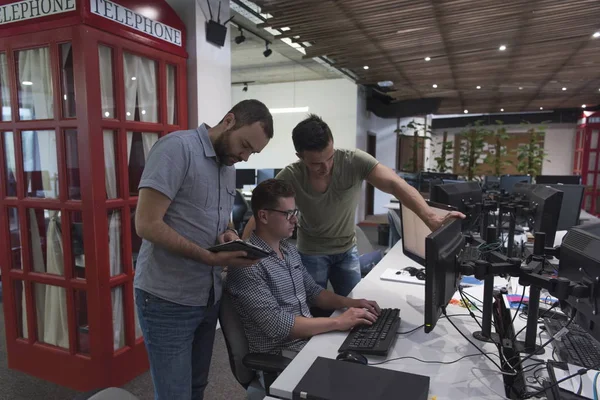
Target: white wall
(559, 143)
(334, 100)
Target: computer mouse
(353, 357)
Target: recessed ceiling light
(128, 114)
(583, 106)
(502, 48)
(520, 87)
(366, 67)
(285, 28)
(564, 88)
(65, 96)
(541, 108)
(385, 83)
(502, 109)
(27, 83)
(596, 34)
(434, 86)
(143, 112)
(133, 78)
(478, 87)
(466, 111)
(427, 58)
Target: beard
(222, 146)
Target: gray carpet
(15, 385)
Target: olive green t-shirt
(326, 224)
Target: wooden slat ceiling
(549, 45)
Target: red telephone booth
(586, 160)
(86, 88)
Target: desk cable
(579, 372)
(431, 361)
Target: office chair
(111, 393)
(244, 364)
(241, 212)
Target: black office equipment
(543, 204)
(491, 182)
(507, 182)
(353, 357)
(556, 179)
(376, 339)
(425, 178)
(571, 205)
(460, 195)
(328, 379)
(442, 269)
(577, 347)
(244, 177)
(264, 174)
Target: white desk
(392, 206)
(444, 343)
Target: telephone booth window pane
(36, 99)
(68, 80)
(45, 237)
(11, 165)
(110, 165)
(51, 311)
(83, 328)
(592, 161)
(107, 90)
(594, 144)
(4, 89)
(171, 95)
(138, 147)
(118, 318)
(140, 88)
(115, 244)
(77, 253)
(15, 238)
(40, 164)
(72, 156)
(21, 309)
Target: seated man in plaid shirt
(274, 296)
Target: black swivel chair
(241, 212)
(243, 363)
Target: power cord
(579, 372)
(421, 326)
(541, 316)
(432, 362)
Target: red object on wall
(67, 246)
(586, 160)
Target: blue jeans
(343, 270)
(179, 340)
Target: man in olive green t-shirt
(328, 184)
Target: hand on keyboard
(370, 305)
(355, 316)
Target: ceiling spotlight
(427, 58)
(366, 67)
(502, 48)
(245, 88)
(564, 88)
(143, 112)
(466, 111)
(434, 86)
(541, 108)
(133, 78)
(478, 87)
(267, 51)
(520, 87)
(502, 110)
(596, 34)
(388, 84)
(583, 106)
(241, 38)
(27, 83)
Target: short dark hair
(267, 194)
(247, 112)
(311, 134)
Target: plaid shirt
(268, 297)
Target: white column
(209, 66)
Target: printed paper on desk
(398, 275)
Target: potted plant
(419, 130)
(444, 161)
(531, 155)
(497, 151)
(472, 144)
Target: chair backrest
(235, 339)
(363, 244)
(240, 207)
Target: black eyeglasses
(288, 214)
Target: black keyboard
(577, 347)
(377, 338)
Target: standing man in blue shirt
(186, 196)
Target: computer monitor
(414, 230)
(491, 182)
(442, 269)
(459, 195)
(425, 179)
(580, 262)
(244, 177)
(571, 205)
(555, 179)
(507, 182)
(546, 203)
(264, 174)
